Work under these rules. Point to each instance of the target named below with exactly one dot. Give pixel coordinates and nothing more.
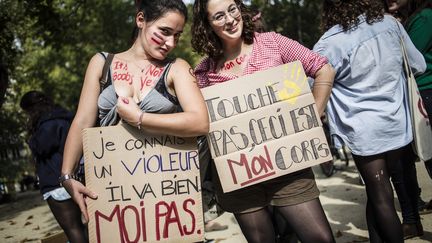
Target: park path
(343, 197)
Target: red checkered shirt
(269, 50)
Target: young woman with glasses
(224, 31)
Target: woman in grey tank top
(147, 90)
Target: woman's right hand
(79, 192)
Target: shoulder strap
(106, 71)
(407, 67)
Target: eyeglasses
(220, 18)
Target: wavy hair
(204, 39)
(346, 12)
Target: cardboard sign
(263, 126)
(148, 187)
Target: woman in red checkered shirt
(223, 30)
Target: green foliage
(296, 19)
(46, 45)
(12, 161)
(64, 35)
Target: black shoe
(412, 230)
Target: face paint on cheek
(157, 38)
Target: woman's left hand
(128, 110)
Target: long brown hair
(346, 12)
(205, 41)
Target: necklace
(135, 62)
(141, 68)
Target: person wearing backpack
(47, 127)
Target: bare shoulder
(95, 66)
(180, 64)
(181, 69)
(97, 60)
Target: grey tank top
(158, 100)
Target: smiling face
(160, 36)
(225, 19)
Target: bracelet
(140, 119)
(327, 83)
(64, 178)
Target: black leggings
(382, 220)
(306, 219)
(68, 215)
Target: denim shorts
(58, 194)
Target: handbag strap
(407, 68)
(105, 71)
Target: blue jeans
(404, 179)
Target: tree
(296, 19)
(46, 45)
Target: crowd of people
(358, 81)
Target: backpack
(106, 72)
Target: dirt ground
(29, 219)
(343, 198)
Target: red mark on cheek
(155, 41)
(157, 38)
(126, 101)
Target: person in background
(223, 30)
(368, 107)
(416, 16)
(28, 182)
(48, 125)
(168, 102)
(405, 177)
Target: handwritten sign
(148, 186)
(263, 126)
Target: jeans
(404, 179)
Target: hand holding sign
(78, 193)
(269, 129)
